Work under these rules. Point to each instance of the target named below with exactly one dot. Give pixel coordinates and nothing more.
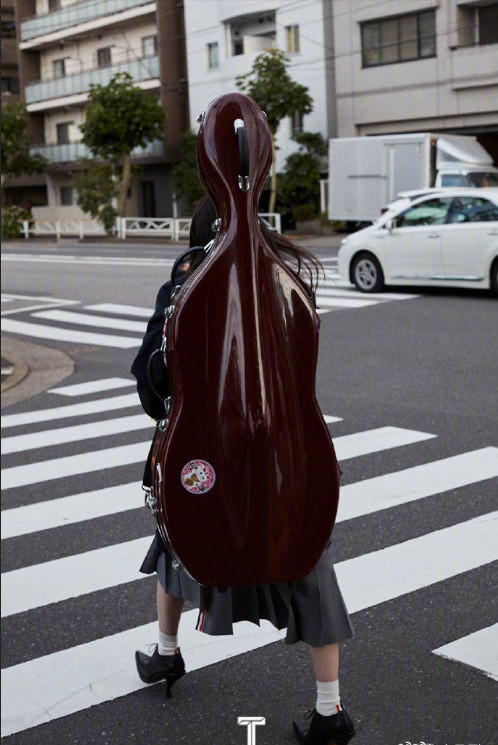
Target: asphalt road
(410, 377)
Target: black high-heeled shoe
(337, 729)
(155, 667)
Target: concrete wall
(456, 89)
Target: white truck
(366, 173)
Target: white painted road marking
(62, 435)
(71, 410)
(85, 319)
(93, 386)
(479, 650)
(46, 688)
(121, 310)
(347, 446)
(40, 331)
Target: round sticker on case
(198, 476)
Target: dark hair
(302, 263)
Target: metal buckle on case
(150, 500)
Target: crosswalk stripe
(27, 699)
(40, 331)
(347, 446)
(479, 650)
(92, 386)
(404, 567)
(71, 410)
(89, 260)
(119, 309)
(46, 688)
(74, 508)
(77, 433)
(339, 289)
(74, 465)
(329, 302)
(417, 482)
(85, 319)
(356, 500)
(375, 440)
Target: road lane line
(358, 499)
(40, 331)
(93, 386)
(119, 309)
(71, 410)
(478, 650)
(85, 319)
(74, 465)
(46, 688)
(55, 513)
(375, 440)
(347, 446)
(417, 482)
(77, 433)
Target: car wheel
(494, 277)
(367, 273)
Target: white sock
(167, 644)
(328, 701)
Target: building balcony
(72, 152)
(146, 68)
(78, 18)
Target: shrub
(12, 218)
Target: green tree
(16, 158)
(186, 182)
(118, 118)
(299, 184)
(97, 189)
(277, 94)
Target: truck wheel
(367, 273)
(493, 276)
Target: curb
(36, 369)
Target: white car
(445, 238)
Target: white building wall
(458, 88)
(306, 67)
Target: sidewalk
(34, 369)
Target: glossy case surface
(245, 475)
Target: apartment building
(64, 47)
(417, 65)
(223, 38)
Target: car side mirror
(391, 224)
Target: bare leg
(169, 610)
(325, 662)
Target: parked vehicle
(366, 173)
(447, 237)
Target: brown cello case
(245, 478)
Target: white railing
(175, 229)
(62, 227)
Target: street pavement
(407, 381)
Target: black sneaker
(155, 667)
(337, 729)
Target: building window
(297, 124)
(8, 29)
(149, 46)
(59, 68)
(213, 55)
(488, 24)
(292, 39)
(10, 85)
(54, 5)
(104, 57)
(63, 133)
(66, 193)
(400, 39)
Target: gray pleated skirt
(312, 609)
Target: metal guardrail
(174, 228)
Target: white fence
(175, 229)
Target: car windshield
(431, 212)
(484, 179)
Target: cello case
(245, 477)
